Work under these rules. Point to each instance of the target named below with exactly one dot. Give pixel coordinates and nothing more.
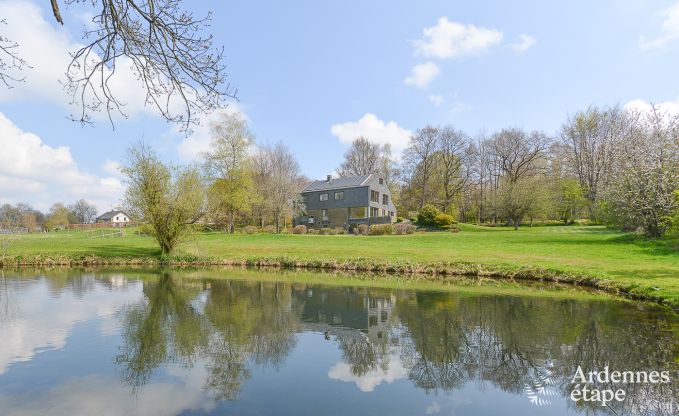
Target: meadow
(628, 260)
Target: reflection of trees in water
(240, 325)
(444, 340)
(511, 341)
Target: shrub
(327, 231)
(402, 228)
(362, 229)
(381, 229)
(250, 229)
(312, 231)
(454, 229)
(427, 215)
(399, 219)
(443, 221)
(300, 229)
(269, 229)
(341, 230)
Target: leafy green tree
(232, 190)
(169, 198)
(57, 217)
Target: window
(374, 196)
(339, 195)
(324, 214)
(385, 199)
(311, 220)
(381, 181)
(374, 212)
(357, 213)
(324, 197)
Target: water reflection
(228, 336)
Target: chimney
(327, 178)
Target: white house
(115, 217)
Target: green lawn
(590, 250)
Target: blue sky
(303, 67)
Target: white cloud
(451, 40)
(102, 395)
(33, 172)
(422, 74)
(46, 48)
(199, 140)
(669, 28)
(437, 100)
(112, 167)
(524, 43)
(641, 106)
(367, 382)
(35, 328)
(373, 129)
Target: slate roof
(336, 183)
(107, 216)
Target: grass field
(589, 250)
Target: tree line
(610, 165)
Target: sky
(315, 75)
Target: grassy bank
(593, 256)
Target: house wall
(338, 210)
(120, 217)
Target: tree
(280, 182)
(646, 173)
(83, 211)
(165, 46)
(10, 227)
(520, 157)
(228, 165)
(169, 198)
(454, 159)
(419, 160)
(365, 157)
(590, 139)
(57, 217)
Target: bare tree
(454, 159)
(365, 157)
(163, 44)
(10, 61)
(590, 139)
(280, 176)
(520, 157)
(419, 159)
(10, 228)
(83, 211)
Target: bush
(381, 229)
(402, 228)
(399, 219)
(300, 229)
(454, 229)
(312, 231)
(250, 229)
(362, 229)
(341, 230)
(327, 231)
(443, 221)
(427, 215)
(269, 229)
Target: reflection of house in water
(341, 310)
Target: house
(347, 201)
(117, 218)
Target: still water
(269, 343)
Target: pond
(214, 342)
